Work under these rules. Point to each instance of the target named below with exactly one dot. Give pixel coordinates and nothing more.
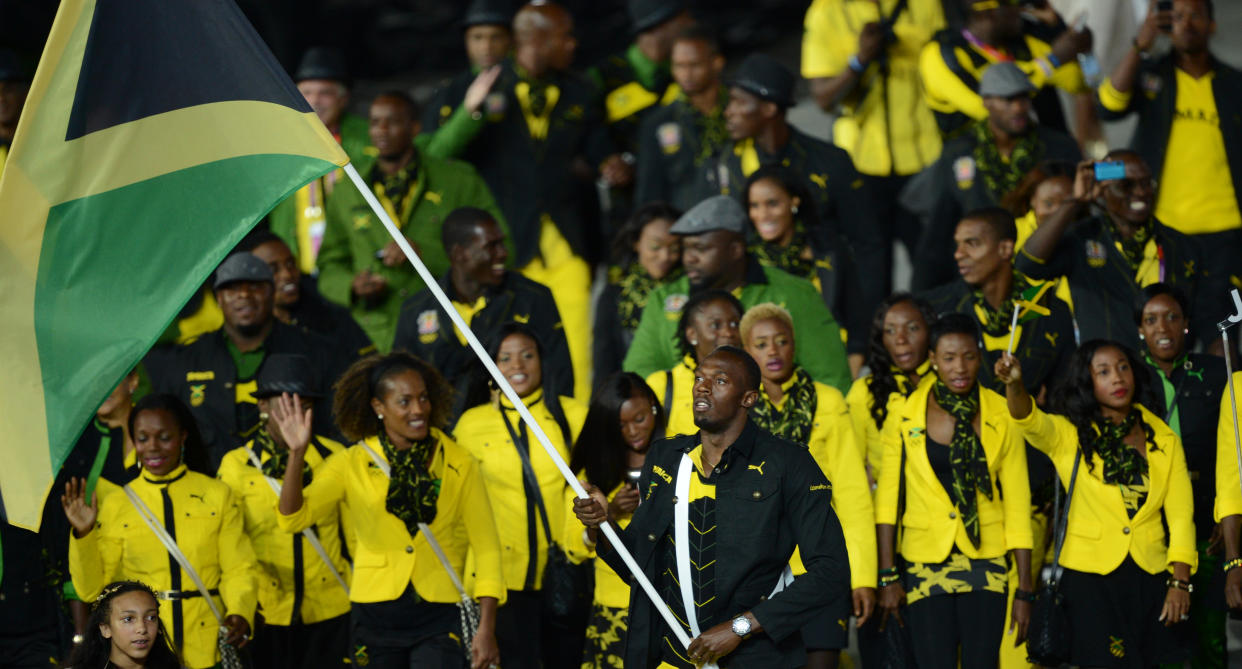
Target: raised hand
(294, 426)
(80, 512)
(479, 88)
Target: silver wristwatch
(741, 626)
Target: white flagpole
(503, 384)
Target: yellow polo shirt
(1196, 188)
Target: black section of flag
(147, 57)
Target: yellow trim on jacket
(930, 525)
(323, 597)
(482, 431)
(1100, 534)
(387, 558)
(210, 532)
(1228, 490)
(834, 448)
(681, 409)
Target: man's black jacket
(530, 178)
(425, 329)
(770, 497)
(1045, 345)
(1155, 99)
(202, 374)
(1103, 285)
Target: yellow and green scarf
(412, 490)
(966, 457)
(795, 421)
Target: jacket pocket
(918, 521)
(1083, 526)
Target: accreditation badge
(669, 135)
(198, 394)
(495, 106)
(1151, 83)
(1097, 254)
(964, 170)
(428, 326)
(673, 305)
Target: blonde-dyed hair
(767, 311)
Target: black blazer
(202, 374)
(771, 497)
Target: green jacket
(356, 141)
(354, 235)
(819, 348)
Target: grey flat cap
(1004, 80)
(718, 212)
(242, 267)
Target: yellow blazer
(834, 448)
(1228, 492)
(388, 559)
(1100, 534)
(867, 435)
(681, 409)
(482, 431)
(930, 525)
(210, 531)
(323, 597)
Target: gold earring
(379, 416)
(263, 416)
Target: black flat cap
(323, 62)
(242, 267)
(763, 76)
(488, 13)
(285, 373)
(647, 14)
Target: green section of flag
(116, 268)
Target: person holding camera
(1187, 131)
(1110, 257)
(861, 60)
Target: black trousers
(940, 625)
(304, 646)
(407, 633)
(529, 640)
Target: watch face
(741, 626)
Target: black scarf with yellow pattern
(795, 421)
(1134, 247)
(788, 258)
(412, 490)
(635, 284)
(1001, 176)
(1122, 464)
(966, 456)
(277, 457)
(996, 321)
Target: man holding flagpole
(721, 513)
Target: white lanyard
(681, 532)
(308, 532)
(681, 536)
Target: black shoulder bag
(568, 588)
(1049, 641)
